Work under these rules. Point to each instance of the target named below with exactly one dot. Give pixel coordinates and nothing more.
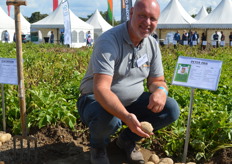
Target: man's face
(144, 18)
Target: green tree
(193, 15)
(36, 16)
(209, 9)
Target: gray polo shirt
(115, 55)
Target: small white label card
(222, 43)
(174, 42)
(143, 59)
(204, 43)
(185, 42)
(213, 43)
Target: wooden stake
(21, 89)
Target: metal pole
(21, 89)
(3, 109)
(188, 126)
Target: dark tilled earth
(59, 145)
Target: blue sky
(82, 8)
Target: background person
(193, 38)
(14, 37)
(62, 38)
(222, 37)
(89, 41)
(230, 38)
(176, 37)
(203, 38)
(52, 37)
(6, 36)
(87, 36)
(112, 91)
(215, 38)
(185, 36)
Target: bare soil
(60, 145)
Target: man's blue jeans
(102, 124)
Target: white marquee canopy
(174, 16)
(201, 14)
(219, 18)
(99, 23)
(55, 22)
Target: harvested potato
(149, 162)
(154, 158)
(5, 137)
(166, 161)
(146, 127)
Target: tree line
(36, 16)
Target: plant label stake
(21, 89)
(3, 109)
(188, 126)
(208, 73)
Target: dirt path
(59, 145)
(61, 153)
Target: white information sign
(174, 42)
(213, 43)
(194, 43)
(204, 43)
(8, 71)
(222, 43)
(197, 73)
(185, 42)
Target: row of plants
(53, 74)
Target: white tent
(219, 18)
(99, 24)
(25, 25)
(174, 16)
(201, 14)
(55, 22)
(6, 23)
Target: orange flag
(110, 10)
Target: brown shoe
(99, 156)
(133, 154)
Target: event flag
(55, 4)
(125, 10)
(110, 10)
(8, 9)
(67, 23)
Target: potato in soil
(154, 158)
(166, 161)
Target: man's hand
(158, 97)
(157, 101)
(135, 126)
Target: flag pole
(112, 13)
